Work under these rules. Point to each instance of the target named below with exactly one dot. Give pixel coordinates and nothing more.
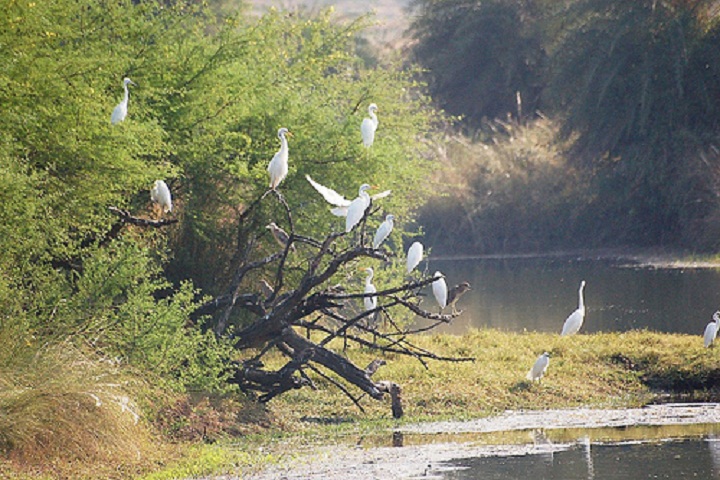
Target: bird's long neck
(127, 94)
(373, 117)
(368, 280)
(581, 300)
(283, 144)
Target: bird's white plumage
(575, 320)
(120, 111)
(440, 290)
(414, 255)
(278, 167)
(711, 330)
(383, 230)
(369, 126)
(339, 202)
(539, 367)
(356, 209)
(160, 194)
(370, 302)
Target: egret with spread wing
(339, 202)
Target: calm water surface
(697, 458)
(537, 294)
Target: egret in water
(160, 195)
(575, 320)
(440, 290)
(340, 203)
(455, 293)
(383, 230)
(120, 111)
(414, 255)
(538, 369)
(370, 302)
(369, 125)
(281, 236)
(278, 167)
(711, 330)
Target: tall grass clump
(62, 412)
(508, 188)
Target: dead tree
(308, 299)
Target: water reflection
(538, 294)
(672, 459)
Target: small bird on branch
(455, 293)
(280, 235)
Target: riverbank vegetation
(632, 91)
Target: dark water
(538, 294)
(697, 458)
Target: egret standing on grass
(120, 111)
(440, 290)
(370, 302)
(278, 167)
(160, 195)
(414, 255)
(538, 369)
(383, 231)
(575, 320)
(340, 203)
(455, 293)
(711, 330)
(369, 125)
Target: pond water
(538, 293)
(678, 458)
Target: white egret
(281, 236)
(455, 293)
(538, 369)
(278, 167)
(340, 203)
(711, 330)
(369, 125)
(370, 302)
(383, 230)
(575, 320)
(120, 111)
(414, 255)
(440, 290)
(160, 194)
(356, 209)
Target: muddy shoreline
(355, 462)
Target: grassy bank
(203, 436)
(600, 370)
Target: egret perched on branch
(334, 198)
(369, 125)
(575, 320)
(356, 209)
(370, 302)
(711, 330)
(455, 293)
(383, 230)
(281, 236)
(440, 290)
(120, 111)
(414, 255)
(538, 369)
(160, 194)
(278, 167)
